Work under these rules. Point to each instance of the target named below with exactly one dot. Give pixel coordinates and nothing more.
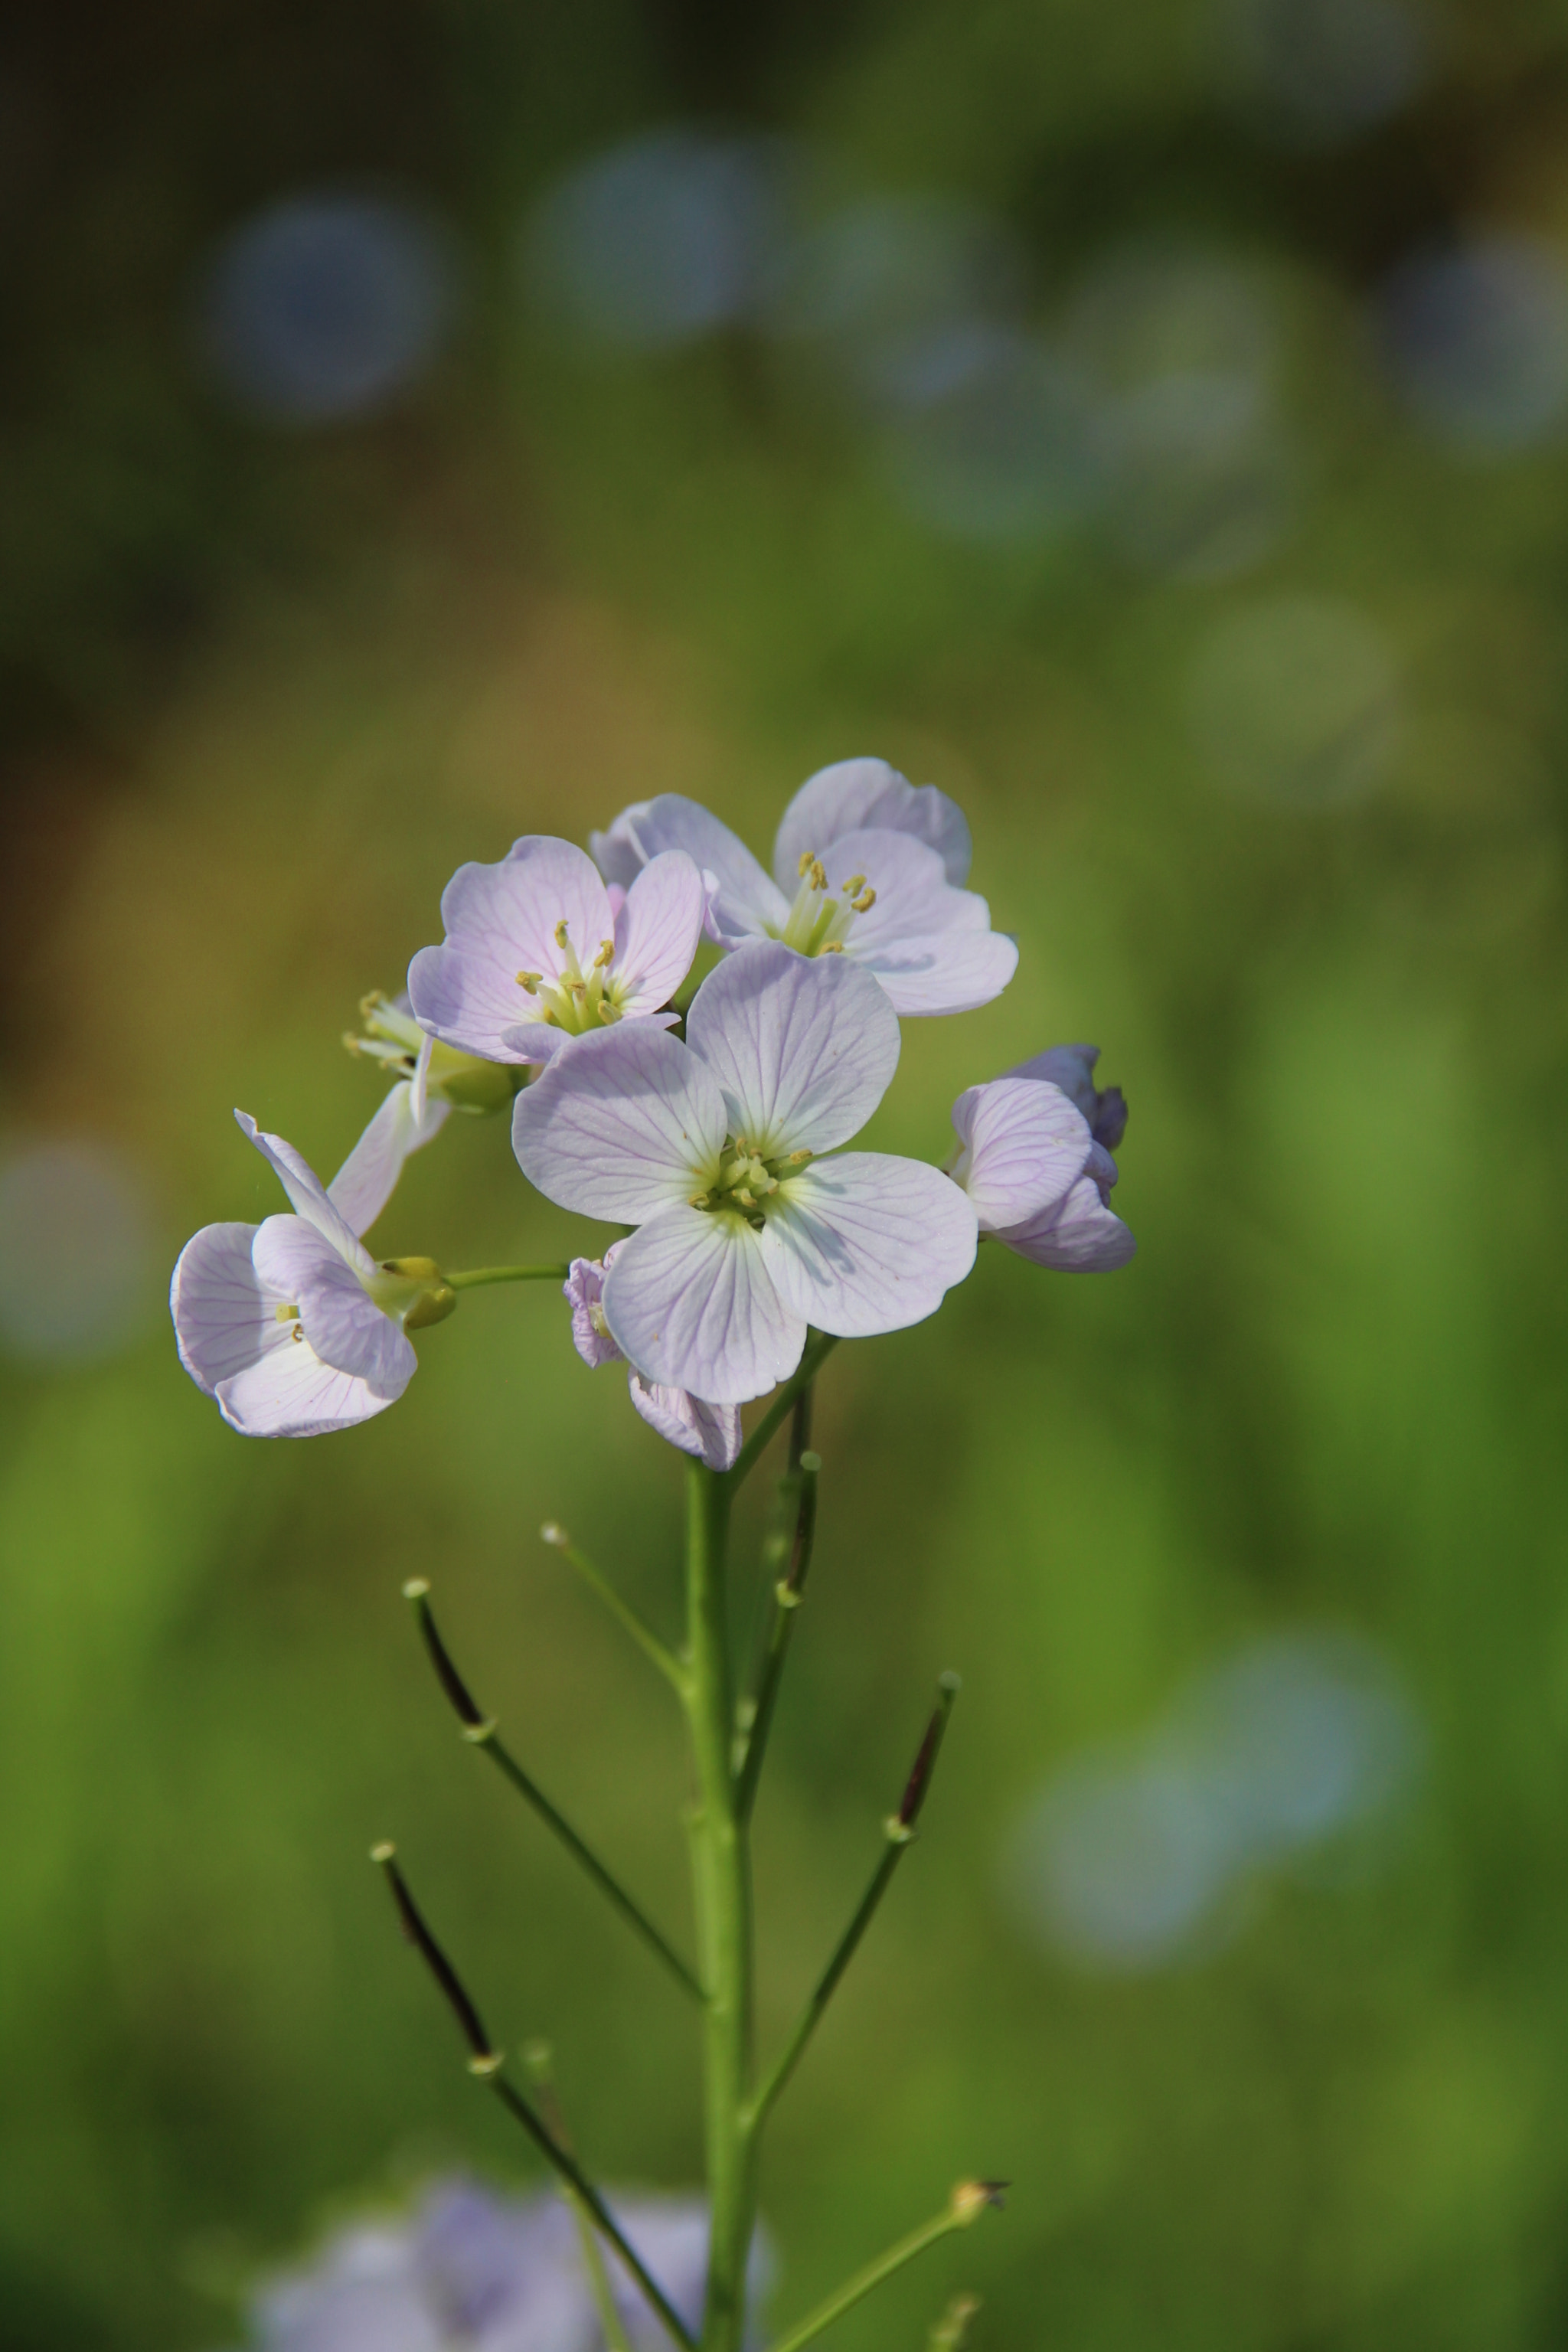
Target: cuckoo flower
(864, 866)
(712, 1432)
(292, 1325)
(1031, 1163)
(537, 950)
(711, 1149)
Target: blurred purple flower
(1034, 1167)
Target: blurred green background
(1147, 423)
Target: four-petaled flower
(710, 1432)
(711, 1149)
(537, 949)
(1033, 1163)
(292, 1325)
(864, 866)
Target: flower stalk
(963, 2207)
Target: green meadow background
(265, 688)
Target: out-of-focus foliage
(1152, 426)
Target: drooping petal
(342, 1322)
(1024, 1147)
(854, 793)
(620, 1125)
(1081, 1234)
(657, 930)
(507, 913)
(476, 1003)
(692, 1305)
(290, 1393)
(1072, 1068)
(583, 1291)
(307, 1193)
(223, 1318)
(746, 905)
(804, 1049)
(712, 1432)
(866, 1243)
(368, 1177)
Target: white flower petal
(691, 1301)
(804, 1049)
(368, 1177)
(307, 1193)
(341, 1321)
(476, 1003)
(854, 793)
(866, 1243)
(1024, 1147)
(950, 971)
(291, 1394)
(746, 906)
(507, 913)
(583, 1290)
(1080, 1233)
(223, 1318)
(658, 929)
(710, 1432)
(620, 1125)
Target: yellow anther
(298, 1331)
(530, 980)
(369, 1005)
(697, 1201)
(856, 882)
(799, 1159)
(834, 947)
(864, 902)
(560, 937)
(606, 954)
(806, 862)
(609, 1012)
(743, 1197)
(818, 874)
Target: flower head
(537, 949)
(864, 866)
(1030, 1163)
(1072, 1068)
(712, 1149)
(712, 1432)
(292, 1325)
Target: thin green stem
(478, 1276)
(630, 1621)
(818, 1348)
(968, 2201)
(722, 1872)
(536, 2057)
(788, 1594)
(480, 1731)
(898, 1831)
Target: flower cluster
(714, 1128)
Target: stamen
(697, 1201)
(609, 1012)
(799, 1159)
(606, 954)
(297, 1333)
(286, 1314)
(864, 902)
(562, 940)
(856, 882)
(806, 862)
(530, 980)
(818, 874)
(834, 947)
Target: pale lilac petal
(308, 1192)
(952, 972)
(222, 1317)
(866, 1243)
(616, 855)
(541, 1043)
(710, 1432)
(854, 793)
(692, 1303)
(1024, 1147)
(1072, 1068)
(1079, 1236)
(583, 1290)
(507, 913)
(368, 1177)
(747, 905)
(341, 1321)
(419, 1085)
(620, 1125)
(291, 1394)
(658, 929)
(475, 1002)
(804, 1049)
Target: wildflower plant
(707, 1131)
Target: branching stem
(478, 1276)
(818, 1348)
(968, 2201)
(629, 1618)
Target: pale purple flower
(1032, 1166)
(292, 1325)
(746, 1236)
(537, 949)
(712, 1432)
(864, 866)
(431, 1080)
(474, 2270)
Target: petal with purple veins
(307, 1193)
(223, 1320)
(709, 1433)
(854, 793)
(368, 1177)
(658, 929)
(865, 1243)
(1024, 1147)
(620, 1125)
(803, 1048)
(341, 1321)
(692, 1304)
(747, 904)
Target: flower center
(820, 919)
(576, 1000)
(747, 1184)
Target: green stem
(788, 1593)
(626, 1616)
(898, 1831)
(968, 2201)
(818, 1349)
(479, 1275)
(725, 1915)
